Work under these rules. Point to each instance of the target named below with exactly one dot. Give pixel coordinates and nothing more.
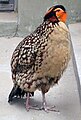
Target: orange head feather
(56, 13)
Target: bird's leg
(27, 102)
(44, 105)
(28, 106)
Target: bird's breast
(57, 54)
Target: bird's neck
(45, 28)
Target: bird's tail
(17, 92)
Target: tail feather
(17, 92)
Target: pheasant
(39, 60)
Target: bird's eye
(57, 10)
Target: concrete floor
(76, 42)
(64, 96)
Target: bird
(40, 59)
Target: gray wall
(31, 12)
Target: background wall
(31, 12)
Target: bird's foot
(45, 108)
(48, 108)
(34, 107)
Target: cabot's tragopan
(39, 60)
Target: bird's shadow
(21, 102)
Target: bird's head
(56, 13)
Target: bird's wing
(24, 56)
(30, 50)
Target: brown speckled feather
(40, 59)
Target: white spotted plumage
(40, 59)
